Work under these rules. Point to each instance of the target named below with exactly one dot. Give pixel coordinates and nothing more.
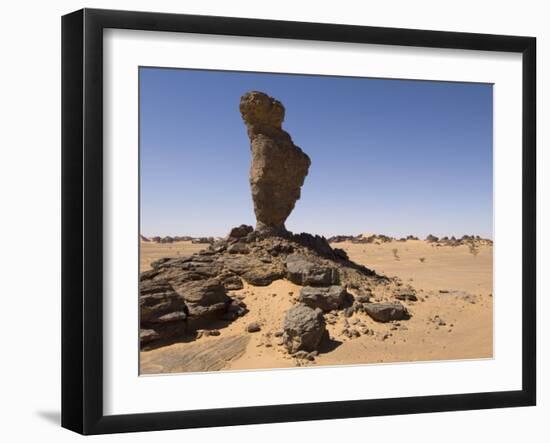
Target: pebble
(253, 327)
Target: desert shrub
(395, 253)
(422, 259)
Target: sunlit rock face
(278, 167)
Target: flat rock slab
(211, 354)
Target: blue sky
(396, 157)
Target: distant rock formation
(278, 167)
(363, 239)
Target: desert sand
(151, 251)
(452, 318)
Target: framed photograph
(269, 221)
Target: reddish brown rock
(278, 168)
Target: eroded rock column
(278, 167)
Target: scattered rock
(405, 294)
(327, 298)
(253, 327)
(348, 312)
(384, 312)
(304, 329)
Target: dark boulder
(303, 329)
(240, 231)
(384, 312)
(327, 298)
(305, 272)
(405, 294)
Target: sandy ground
(151, 251)
(453, 318)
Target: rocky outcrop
(204, 298)
(253, 270)
(326, 299)
(303, 271)
(183, 293)
(163, 313)
(304, 329)
(278, 167)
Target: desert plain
(264, 297)
(452, 317)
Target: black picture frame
(82, 218)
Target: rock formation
(179, 295)
(278, 168)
